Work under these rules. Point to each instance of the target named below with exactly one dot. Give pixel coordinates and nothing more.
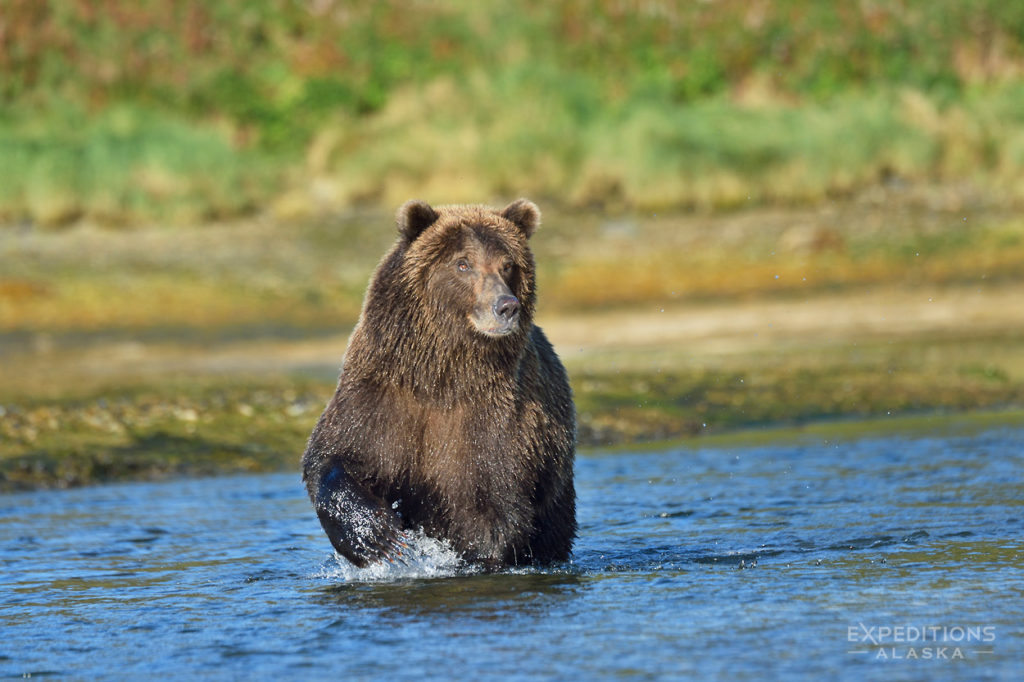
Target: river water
(879, 558)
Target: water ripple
(742, 563)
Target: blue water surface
(882, 558)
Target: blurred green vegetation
(124, 112)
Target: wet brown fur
(438, 425)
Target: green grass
(181, 113)
(124, 166)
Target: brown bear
(452, 413)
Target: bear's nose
(506, 307)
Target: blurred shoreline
(213, 349)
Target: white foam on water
(425, 557)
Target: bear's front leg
(360, 525)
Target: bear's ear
(414, 217)
(524, 214)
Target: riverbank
(83, 409)
(190, 351)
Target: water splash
(426, 557)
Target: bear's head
(470, 267)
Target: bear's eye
(462, 265)
(506, 268)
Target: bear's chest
(465, 441)
(401, 434)
(443, 454)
